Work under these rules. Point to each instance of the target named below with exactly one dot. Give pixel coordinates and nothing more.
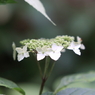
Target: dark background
(21, 21)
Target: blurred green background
(21, 21)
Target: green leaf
(77, 91)
(83, 77)
(39, 7)
(7, 1)
(48, 93)
(11, 85)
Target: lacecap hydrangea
(48, 47)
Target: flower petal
(20, 57)
(74, 45)
(77, 51)
(26, 54)
(25, 48)
(39, 49)
(79, 40)
(63, 50)
(40, 56)
(55, 56)
(82, 47)
(71, 46)
(56, 48)
(19, 50)
(14, 50)
(77, 46)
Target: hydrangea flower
(76, 46)
(55, 52)
(42, 52)
(49, 47)
(22, 52)
(79, 40)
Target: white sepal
(75, 47)
(22, 52)
(55, 52)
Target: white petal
(39, 49)
(39, 7)
(77, 51)
(24, 48)
(56, 48)
(14, 50)
(82, 47)
(59, 49)
(79, 39)
(19, 50)
(55, 56)
(71, 46)
(74, 45)
(13, 45)
(26, 54)
(20, 57)
(40, 56)
(77, 46)
(63, 50)
(47, 53)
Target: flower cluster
(48, 47)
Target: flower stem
(40, 69)
(46, 66)
(44, 78)
(38, 63)
(42, 85)
(51, 69)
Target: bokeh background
(21, 21)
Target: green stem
(42, 86)
(51, 69)
(44, 75)
(46, 66)
(40, 69)
(38, 63)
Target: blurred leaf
(48, 93)
(11, 85)
(83, 77)
(39, 7)
(7, 1)
(77, 91)
(30, 89)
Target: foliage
(11, 85)
(70, 79)
(7, 1)
(39, 7)
(64, 89)
(74, 91)
(48, 93)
